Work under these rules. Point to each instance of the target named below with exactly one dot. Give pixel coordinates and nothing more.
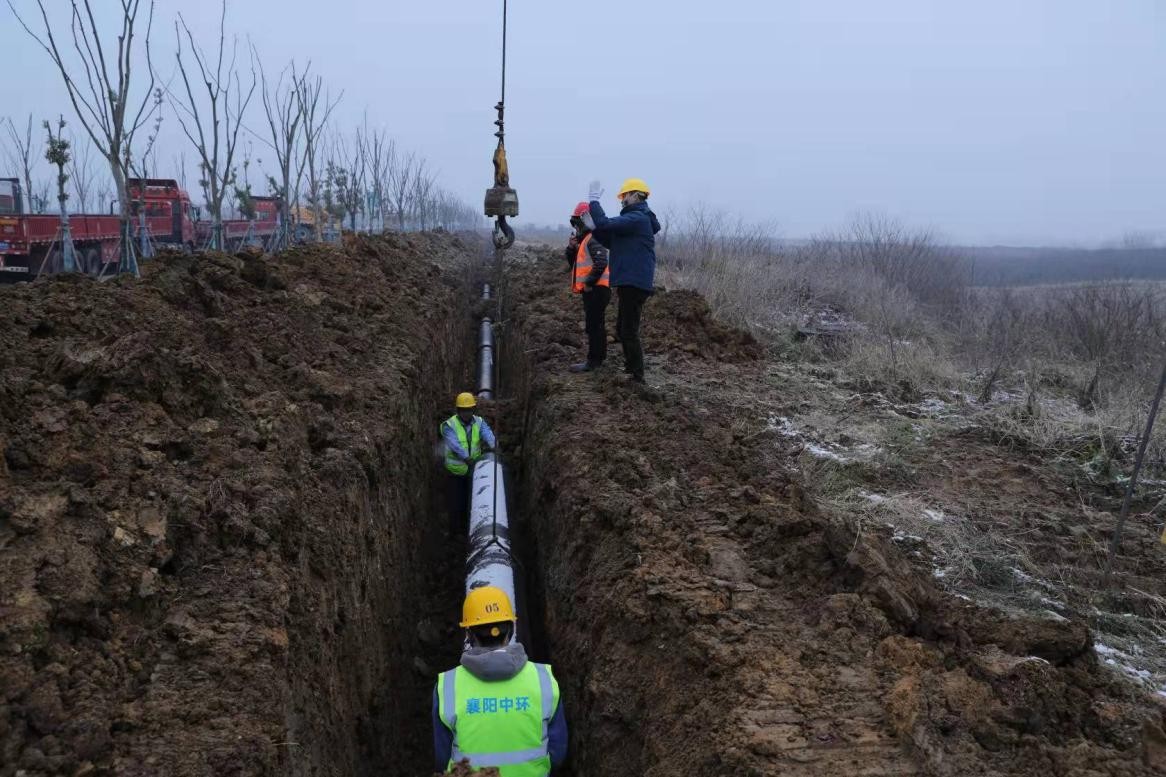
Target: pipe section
(486, 373)
(486, 357)
(489, 561)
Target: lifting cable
(501, 200)
(496, 369)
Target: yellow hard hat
(486, 605)
(634, 185)
(466, 400)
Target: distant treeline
(999, 266)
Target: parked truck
(30, 244)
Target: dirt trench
(706, 618)
(217, 519)
(220, 544)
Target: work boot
(582, 367)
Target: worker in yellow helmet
(466, 437)
(497, 708)
(630, 238)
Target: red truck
(240, 232)
(30, 244)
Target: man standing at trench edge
(631, 239)
(590, 279)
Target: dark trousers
(457, 503)
(631, 304)
(595, 304)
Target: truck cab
(11, 199)
(11, 208)
(167, 210)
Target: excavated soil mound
(676, 323)
(706, 618)
(210, 494)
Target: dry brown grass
(925, 330)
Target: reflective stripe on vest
(493, 714)
(583, 268)
(474, 444)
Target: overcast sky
(997, 121)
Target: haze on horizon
(993, 123)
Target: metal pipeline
(486, 373)
(486, 358)
(489, 561)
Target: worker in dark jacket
(591, 280)
(497, 708)
(631, 239)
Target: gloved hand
(573, 243)
(595, 191)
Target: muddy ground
(710, 618)
(220, 546)
(214, 504)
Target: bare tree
(1002, 335)
(1107, 326)
(1136, 240)
(104, 196)
(99, 82)
(40, 197)
(21, 156)
(80, 171)
(284, 121)
(400, 187)
(314, 116)
(212, 121)
(178, 163)
(346, 172)
(382, 159)
(420, 195)
(451, 214)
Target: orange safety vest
(583, 268)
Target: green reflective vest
(473, 444)
(501, 723)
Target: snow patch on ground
(783, 426)
(821, 452)
(1119, 660)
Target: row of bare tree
(120, 95)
